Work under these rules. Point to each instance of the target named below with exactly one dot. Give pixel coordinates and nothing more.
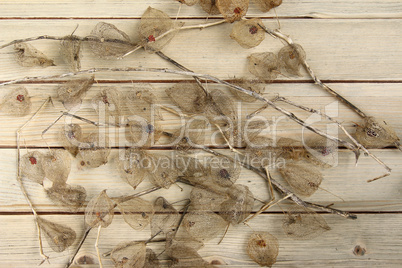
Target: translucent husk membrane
(27, 55)
(264, 65)
(136, 212)
(70, 136)
(70, 49)
(247, 33)
(70, 196)
(129, 255)
(267, 5)
(58, 236)
(166, 217)
(232, 10)
(31, 166)
(17, 102)
(291, 58)
(94, 150)
(99, 211)
(256, 86)
(57, 165)
(263, 248)
(72, 92)
(209, 6)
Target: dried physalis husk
(72, 92)
(17, 102)
(263, 248)
(57, 165)
(136, 212)
(31, 166)
(163, 172)
(107, 41)
(154, 26)
(58, 236)
(220, 108)
(224, 171)
(143, 133)
(264, 65)
(142, 102)
(203, 199)
(303, 177)
(70, 136)
(108, 100)
(375, 133)
(129, 255)
(256, 86)
(99, 211)
(151, 259)
(302, 224)
(188, 2)
(232, 10)
(189, 97)
(70, 48)
(165, 218)
(209, 6)
(94, 150)
(130, 167)
(239, 206)
(247, 33)
(321, 152)
(184, 256)
(28, 56)
(204, 225)
(291, 58)
(193, 171)
(247, 131)
(190, 136)
(70, 196)
(261, 152)
(182, 237)
(267, 5)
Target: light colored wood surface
(354, 45)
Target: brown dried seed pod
(247, 33)
(107, 41)
(28, 56)
(129, 255)
(209, 6)
(70, 48)
(58, 236)
(57, 165)
(184, 256)
(189, 97)
(70, 136)
(70, 196)
(267, 5)
(136, 212)
(151, 259)
(142, 102)
(256, 86)
(291, 58)
(163, 173)
(94, 150)
(303, 224)
(165, 218)
(224, 171)
(264, 65)
(31, 166)
(232, 10)
(108, 101)
(220, 108)
(321, 151)
(243, 134)
(99, 211)
(203, 199)
(204, 225)
(155, 23)
(188, 137)
(239, 206)
(182, 237)
(375, 133)
(142, 133)
(130, 167)
(72, 92)
(263, 248)
(17, 102)
(188, 2)
(303, 177)
(261, 152)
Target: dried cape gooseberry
(303, 177)
(189, 97)
(109, 100)
(267, 5)
(142, 133)
(204, 225)
(129, 255)
(107, 41)
(182, 237)
(151, 259)
(70, 48)
(248, 33)
(17, 102)
(303, 224)
(136, 212)
(70, 136)
(209, 6)
(57, 165)
(94, 150)
(28, 56)
(70, 196)
(224, 171)
(130, 167)
(183, 256)
(142, 102)
(188, 2)
(72, 92)
(203, 199)
(153, 27)
(239, 206)
(291, 58)
(165, 218)
(263, 248)
(232, 10)
(321, 151)
(31, 166)
(189, 136)
(58, 236)
(264, 65)
(220, 107)
(262, 152)
(99, 211)
(163, 174)
(247, 131)
(256, 86)
(375, 133)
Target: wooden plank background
(353, 45)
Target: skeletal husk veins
(131, 168)
(267, 5)
(31, 166)
(203, 225)
(143, 133)
(209, 6)
(94, 150)
(189, 97)
(17, 102)
(70, 196)
(165, 218)
(70, 136)
(58, 236)
(190, 136)
(263, 248)
(264, 65)
(291, 58)
(247, 33)
(129, 255)
(184, 256)
(70, 49)
(108, 102)
(72, 92)
(136, 212)
(188, 2)
(232, 10)
(57, 165)
(142, 102)
(255, 85)
(107, 41)
(239, 205)
(28, 56)
(99, 211)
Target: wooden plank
(355, 49)
(345, 181)
(387, 99)
(335, 247)
(132, 9)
